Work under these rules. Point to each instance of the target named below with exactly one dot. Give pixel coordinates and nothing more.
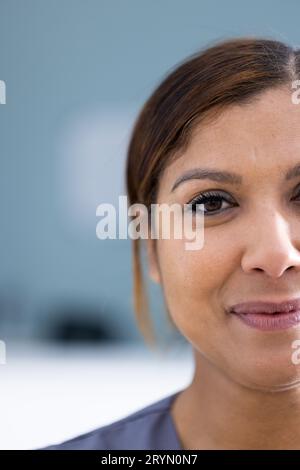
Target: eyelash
(205, 197)
(209, 196)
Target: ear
(153, 270)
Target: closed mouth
(270, 321)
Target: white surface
(52, 394)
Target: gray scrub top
(150, 428)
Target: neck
(215, 412)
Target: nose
(270, 247)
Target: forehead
(263, 137)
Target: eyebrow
(223, 176)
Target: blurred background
(76, 73)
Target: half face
(251, 249)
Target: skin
(245, 390)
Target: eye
(297, 197)
(212, 199)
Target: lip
(266, 307)
(268, 315)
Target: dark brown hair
(233, 71)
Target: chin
(279, 374)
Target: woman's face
(250, 240)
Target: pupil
(213, 204)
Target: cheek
(193, 283)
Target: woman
(222, 130)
